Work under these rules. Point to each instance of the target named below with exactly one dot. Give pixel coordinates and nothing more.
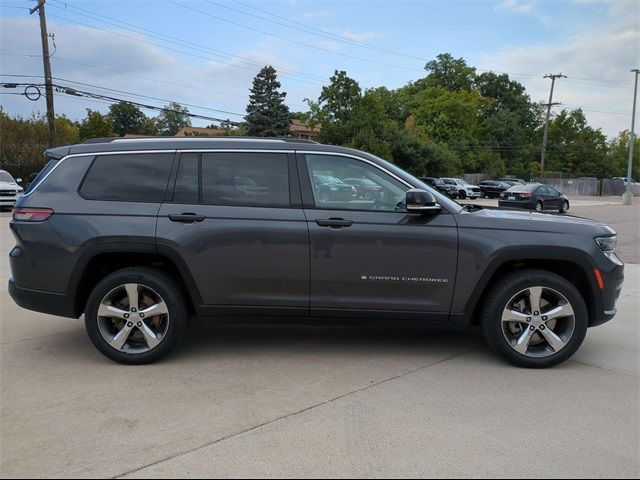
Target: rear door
(370, 257)
(235, 220)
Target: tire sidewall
(161, 284)
(505, 290)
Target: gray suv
(139, 235)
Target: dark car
(534, 196)
(450, 190)
(492, 188)
(139, 235)
(366, 189)
(512, 181)
(332, 189)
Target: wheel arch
(568, 263)
(101, 260)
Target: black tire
(500, 294)
(165, 287)
(565, 207)
(462, 195)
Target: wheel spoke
(560, 311)
(553, 340)
(509, 315)
(523, 342)
(121, 337)
(149, 335)
(535, 294)
(132, 294)
(110, 311)
(159, 308)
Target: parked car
(534, 196)
(10, 190)
(624, 179)
(512, 181)
(450, 190)
(366, 189)
(137, 236)
(492, 188)
(465, 190)
(332, 189)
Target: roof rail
(166, 138)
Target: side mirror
(421, 201)
(19, 181)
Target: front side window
(367, 188)
(187, 186)
(139, 177)
(245, 179)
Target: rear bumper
(517, 204)
(52, 303)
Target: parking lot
(319, 401)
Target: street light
(627, 195)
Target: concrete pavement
(309, 402)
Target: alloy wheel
(133, 318)
(538, 322)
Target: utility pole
(546, 122)
(628, 195)
(48, 81)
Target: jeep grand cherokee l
(140, 234)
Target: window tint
(186, 189)
(140, 177)
(245, 179)
(375, 191)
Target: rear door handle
(187, 218)
(335, 223)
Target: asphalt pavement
(319, 401)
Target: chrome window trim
(355, 157)
(169, 150)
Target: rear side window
(245, 179)
(140, 177)
(186, 189)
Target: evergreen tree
(267, 114)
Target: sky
(205, 53)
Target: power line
(174, 41)
(308, 45)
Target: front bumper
(612, 281)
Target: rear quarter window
(140, 177)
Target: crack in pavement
(299, 412)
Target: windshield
(6, 177)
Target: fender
(532, 252)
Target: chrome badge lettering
(389, 278)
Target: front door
(236, 220)
(370, 257)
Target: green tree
(267, 114)
(573, 146)
(451, 73)
(172, 118)
(618, 155)
(126, 118)
(95, 125)
(22, 141)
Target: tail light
(502, 194)
(525, 195)
(32, 214)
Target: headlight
(607, 244)
(608, 247)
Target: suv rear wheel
(136, 315)
(534, 318)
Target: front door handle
(187, 218)
(335, 223)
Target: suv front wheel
(534, 318)
(136, 315)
